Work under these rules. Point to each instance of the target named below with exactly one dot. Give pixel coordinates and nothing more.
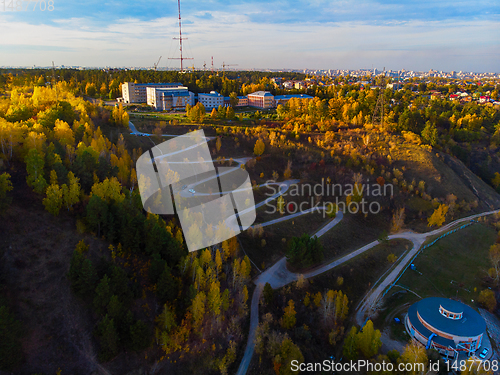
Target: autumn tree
(259, 148)
(72, 191)
(414, 353)
(439, 216)
(288, 170)
(218, 142)
(198, 308)
(350, 348)
(213, 114)
(54, 199)
(369, 340)
(280, 203)
(494, 256)
(5, 187)
(34, 168)
(398, 220)
(289, 319)
(496, 180)
(487, 299)
(214, 298)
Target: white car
(484, 353)
(192, 191)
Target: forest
(147, 302)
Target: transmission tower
(180, 38)
(378, 112)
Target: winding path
(278, 275)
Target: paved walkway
(278, 276)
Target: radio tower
(180, 38)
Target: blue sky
(335, 34)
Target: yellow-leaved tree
(438, 216)
(259, 147)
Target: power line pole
(180, 38)
(54, 82)
(378, 113)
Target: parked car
(185, 186)
(484, 353)
(192, 191)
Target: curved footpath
(278, 275)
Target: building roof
(261, 93)
(211, 93)
(470, 325)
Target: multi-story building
(450, 327)
(166, 99)
(211, 100)
(261, 99)
(137, 92)
(242, 101)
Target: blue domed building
(448, 326)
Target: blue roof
(215, 94)
(470, 325)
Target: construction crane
(180, 38)
(224, 66)
(156, 65)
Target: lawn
(361, 272)
(353, 232)
(454, 267)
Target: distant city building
(261, 99)
(282, 99)
(450, 327)
(170, 98)
(211, 100)
(136, 92)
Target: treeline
(106, 84)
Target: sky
(272, 34)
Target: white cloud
(233, 38)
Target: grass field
(361, 272)
(454, 267)
(353, 232)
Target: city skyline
(443, 36)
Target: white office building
(170, 98)
(137, 92)
(211, 100)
